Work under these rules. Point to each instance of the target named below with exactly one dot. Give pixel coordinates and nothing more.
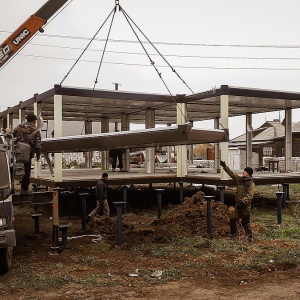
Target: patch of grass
(282, 232)
(92, 260)
(27, 277)
(99, 280)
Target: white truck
(7, 232)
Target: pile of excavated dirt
(190, 218)
(183, 220)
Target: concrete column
(37, 164)
(125, 124)
(104, 154)
(181, 150)
(224, 112)
(58, 133)
(116, 126)
(249, 137)
(10, 120)
(21, 114)
(191, 149)
(288, 139)
(217, 147)
(150, 152)
(88, 129)
(169, 151)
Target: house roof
(296, 127)
(268, 131)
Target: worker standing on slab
(31, 135)
(116, 154)
(243, 198)
(101, 198)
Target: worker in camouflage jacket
(28, 133)
(243, 199)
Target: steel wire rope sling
(102, 56)
(129, 19)
(172, 68)
(77, 60)
(130, 22)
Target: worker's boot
(233, 229)
(247, 227)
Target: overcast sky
(240, 43)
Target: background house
(268, 140)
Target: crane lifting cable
(100, 64)
(162, 56)
(89, 43)
(130, 22)
(77, 60)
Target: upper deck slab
(91, 105)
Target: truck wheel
(5, 259)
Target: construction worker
(116, 154)
(28, 133)
(101, 198)
(243, 199)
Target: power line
(164, 66)
(170, 43)
(172, 55)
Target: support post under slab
(159, 201)
(118, 205)
(83, 197)
(125, 188)
(279, 207)
(181, 191)
(55, 219)
(222, 188)
(285, 187)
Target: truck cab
(7, 232)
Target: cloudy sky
(209, 43)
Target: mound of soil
(187, 219)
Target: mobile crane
(8, 161)
(28, 29)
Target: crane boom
(23, 33)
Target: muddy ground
(156, 260)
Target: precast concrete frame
(86, 105)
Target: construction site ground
(168, 258)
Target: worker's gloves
(222, 163)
